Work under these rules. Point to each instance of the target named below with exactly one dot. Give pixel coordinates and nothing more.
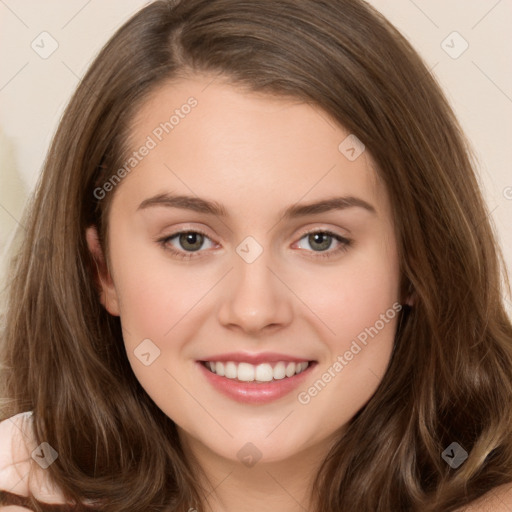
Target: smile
(264, 372)
(256, 384)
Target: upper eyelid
(302, 234)
(321, 230)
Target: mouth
(263, 372)
(259, 383)
(255, 378)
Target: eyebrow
(199, 205)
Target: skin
(256, 155)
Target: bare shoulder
(15, 441)
(498, 499)
(22, 470)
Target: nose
(254, 298)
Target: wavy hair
(450, 374)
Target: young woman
(258, 273)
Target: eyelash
(345, 244)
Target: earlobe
(102, 277)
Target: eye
(190, 242)
(184, 244)
(321, 241)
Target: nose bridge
(253, 297)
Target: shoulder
(498, 499)
(19, 471)
(14, 508)
(14, 446)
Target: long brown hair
(450, 375)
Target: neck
(232, 486)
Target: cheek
(155, 299)
(154, 291)
(158, 304)
(360, 303)
(352, 296)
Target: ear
(102, 277)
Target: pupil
(193, 239)
(316, 238)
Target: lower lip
(255, 392)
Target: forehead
(207, 136)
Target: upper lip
(262, 357)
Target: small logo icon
(147, 352)
(249, 455)
(249, 250)
(454, 45)
(44, 45)
(454, 455)
(44, 455)
(351, 148)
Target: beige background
(34, 90)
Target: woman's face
(288, 255)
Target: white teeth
(279, 371)
(290, 369)
(230, 370)
(246, 372)
(301, 367)
(219, 368)
(263, 372)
